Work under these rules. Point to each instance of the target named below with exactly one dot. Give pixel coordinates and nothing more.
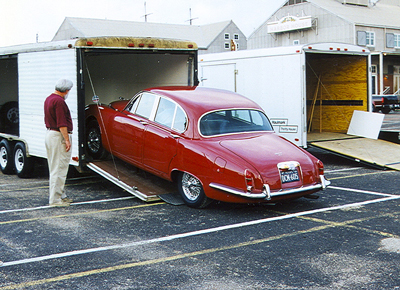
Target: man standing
(57, 118)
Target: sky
(26, 21)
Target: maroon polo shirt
(56, 113)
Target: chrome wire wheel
(191, 186)
(192, 192)
(94, 145)
(93, 141)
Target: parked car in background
(385, 103)
(216, 145)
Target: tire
(192, 191)
(10, 114)
(94, 145)
(23, 164)
(6, 158)
(385, 110)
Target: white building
(373, 24)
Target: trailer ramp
(378, 153)
(144, 186)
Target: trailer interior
(9, 95)
(337, 85)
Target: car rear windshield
(233, 121)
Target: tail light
(249, 180)
(320, 166)
(383, 100)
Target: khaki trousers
(58, 161)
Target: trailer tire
(9, 114)
(192, 191)
(6, 158)
(23, 164)
(94, 145)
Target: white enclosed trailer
(303, 89)
(310, 93)
(106, 67)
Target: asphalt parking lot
(348, 238)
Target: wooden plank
(147, 184)
(375, 152)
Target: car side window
(145, 106)
(133, 104)
(180, 121)
(170, 115)
(165, 112)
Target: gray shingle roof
(83, 27)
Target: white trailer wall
(38, 73)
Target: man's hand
(64, 132)
(67, 145)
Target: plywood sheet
(144, 185)
(375, 152)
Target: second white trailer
(303, 89)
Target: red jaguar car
(217, 145)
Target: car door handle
(143, 122)
(175, 136)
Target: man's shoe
(67, 199)
(60, 204)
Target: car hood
(265, 151)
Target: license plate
(289, 176)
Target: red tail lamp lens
(249, 180)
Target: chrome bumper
(267, 194)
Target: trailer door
(220, 76)
(37, 74)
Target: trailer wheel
(93, 141)
(23, 164)
(192, 191)
(6, 160)
(10, 114)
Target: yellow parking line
(161, 260)
(358, 175)
(328, 224)
(45, 186)
(79, 213)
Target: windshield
(233, 121)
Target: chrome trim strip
(267, 194)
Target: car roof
(200, 100)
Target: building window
(373, 69)
(227, 36)
(397, 40)
(227, 45)
(370, 38)
(296, 42)
(236, 36)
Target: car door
(129, 128)
(161, 137)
